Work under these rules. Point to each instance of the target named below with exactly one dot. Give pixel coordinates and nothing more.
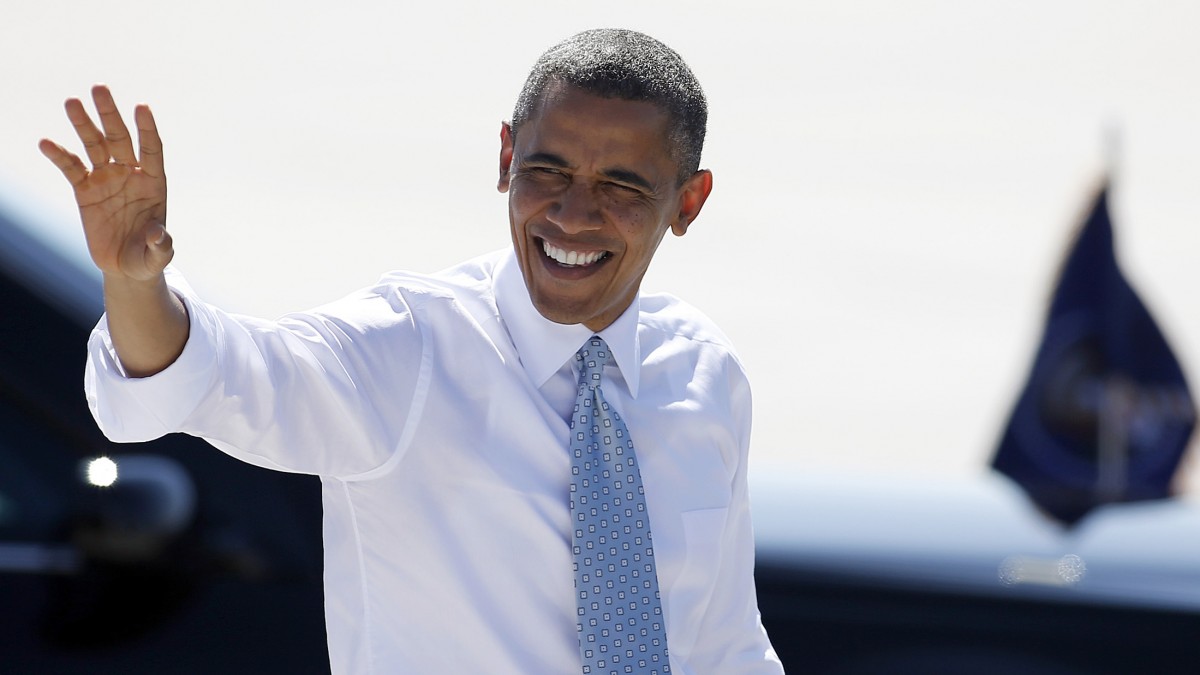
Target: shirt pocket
(689, 597)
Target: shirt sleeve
(732, 638)
(327, 392)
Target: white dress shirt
(434, 409)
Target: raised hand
(123, 198)
(123, 204)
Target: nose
(576, 209)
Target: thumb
(159, 247)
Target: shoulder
(664, 318)
(414, 298)
(679, 342)
(470, 279)
(690, 367)
(467, 286)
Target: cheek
(639, 225)
(520, 205)
(628, 216)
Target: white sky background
(895, 182)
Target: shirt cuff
(141, 409)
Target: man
(527, 466)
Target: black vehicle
(189, 562)
(860, 575)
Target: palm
(123, 198)
(117, 204)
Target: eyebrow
(547, 158)
(626, 176)
(615, 173)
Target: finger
(115, 132)
(159, 248)
(150, 145)
(93, 140)
(70, 165)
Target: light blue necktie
(621, 627)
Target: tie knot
(592, 357)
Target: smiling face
(592, 189)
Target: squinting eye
(625, 189)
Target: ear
(692, 195)
(506, 155)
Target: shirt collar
(544, 346)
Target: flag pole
(1112, 145)
(1114, 413)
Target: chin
(558, 314)
(560, 309)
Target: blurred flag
(1106, 413)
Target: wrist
(127, 285)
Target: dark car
(188, 562)
(862, 575)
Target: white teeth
(574, 258)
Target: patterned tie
(621, 628)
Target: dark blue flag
(1106, 413)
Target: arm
(123, 206)
(295, 395)
(330, 391)
(732, 638)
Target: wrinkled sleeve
(328, 392)
(732, 638)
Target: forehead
(580, 126)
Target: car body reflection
(861, 574)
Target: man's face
(592, 190)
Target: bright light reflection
(1065, 571)
(102, 472)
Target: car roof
(978, 534)
(49, 258)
